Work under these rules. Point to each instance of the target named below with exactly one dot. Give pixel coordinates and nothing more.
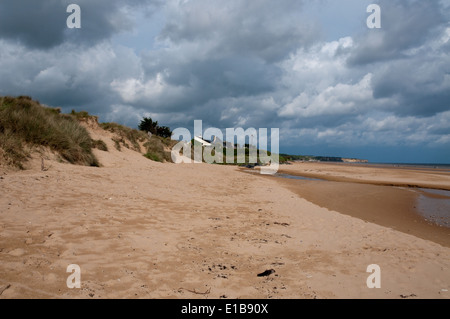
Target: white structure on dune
(215, 141)
(202, 141)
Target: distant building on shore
(354, 160)
(312, 158)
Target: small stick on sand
(3, 289)
(195, 292)
(43, 168)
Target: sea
(400, 165)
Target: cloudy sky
(309, 67)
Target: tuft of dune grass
(125, 134)
(100, 145)
(11, 149)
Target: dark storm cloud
(266, 29)
(220, 56)
(405, 25)
(420, 84)
(35, 23)
(208, 79)
(42, 24)
(41, 57)
(64, 76)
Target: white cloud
(319, 72)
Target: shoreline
(358, 173)
(386, 202)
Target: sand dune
(141, 229)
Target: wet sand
(383, 205)
(411, 177)
(370, 196)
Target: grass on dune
(26, 125)
(155, 146)
(126, 135)
(157, 149)
(24, 122)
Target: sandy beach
(142, 229)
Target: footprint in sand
(17, 252)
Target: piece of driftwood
(196, 292)
(266, 273)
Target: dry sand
(141, 229)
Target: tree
(164, 131)
(147, 125)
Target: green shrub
(153, 156)
(156, 149)
(82, 115)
